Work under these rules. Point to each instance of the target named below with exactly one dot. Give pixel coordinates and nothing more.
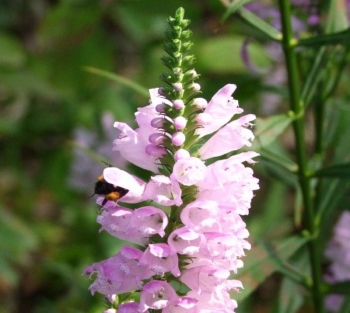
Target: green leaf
(337, 171)
(271, 213)
(260, 24)
(120, 80)
(290, 300)
(16, 239)
(267, 129)
(263, 260)
(66, 24)
(313, 77)
(327, 39)
(337, 16)
(12, 53)
(279, 164)
(233, 7)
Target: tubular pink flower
(120, 178)
(222, 107)
(204, 119)
(157, 295)
(160, 258)
(189, 171)
(148, 221)
(231, 137)
(185, 241)
(163, 190)
(129, 307)
(131, 145)
(120, 273)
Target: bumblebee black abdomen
(110, 191)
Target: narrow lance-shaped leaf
(120, 80)
(337, 171)
(327, 39)
(260, 24)
(268, 129)
(233, 7)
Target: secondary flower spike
(190, 235)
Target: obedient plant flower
(190, 237)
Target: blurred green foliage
(48, 233)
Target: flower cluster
(338, 252)
(191, 237)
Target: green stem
(298, 108)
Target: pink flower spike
(181, 154)
(222, 107)
(155, 151)
(157, 295)
(178, 139)
(120, 178)
(179, 104)
(163, 190)
(189, 171)
(160, 258)
(231, 137)
(180, 122)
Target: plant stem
(298, 108)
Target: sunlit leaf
(233, 7)
(260, 24)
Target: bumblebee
(111, 192)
